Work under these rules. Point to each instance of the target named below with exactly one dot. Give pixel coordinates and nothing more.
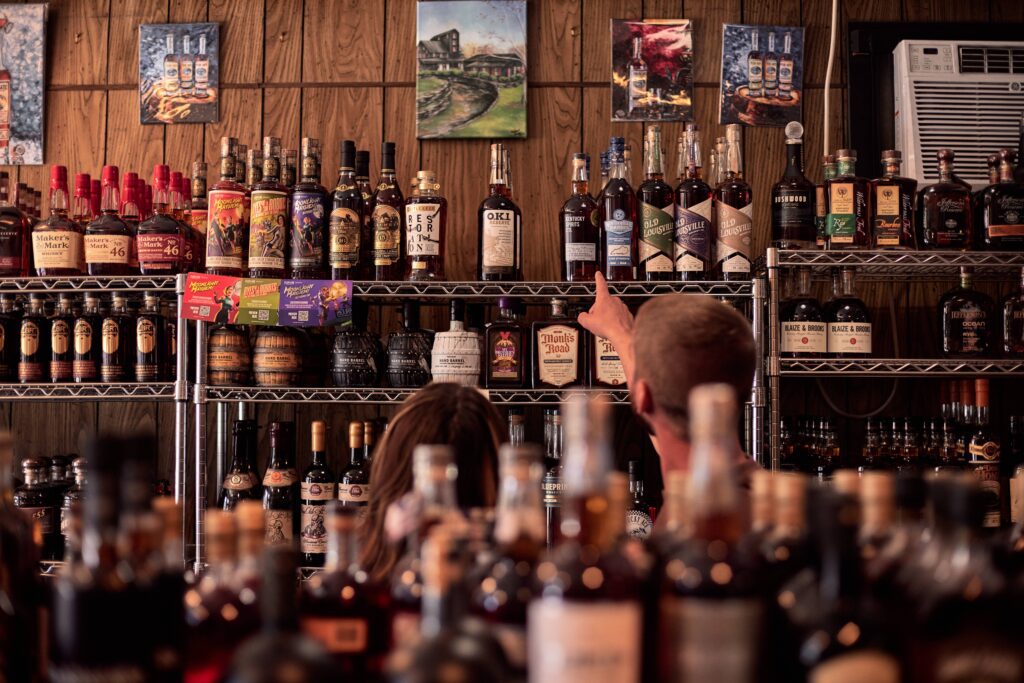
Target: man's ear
(643, 401)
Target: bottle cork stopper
(876, 485)
(319, 434)
(219, 523)
(761, 484)
(846, 482)
(355, 434)
(981, 393)
(249, 516)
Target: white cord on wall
(825, 149)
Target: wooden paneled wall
(338, 69)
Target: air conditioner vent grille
(991, 59)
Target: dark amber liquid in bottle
(388, 221)
(578, 221)
(944, 211)
(62, 325)
(307, 237)
(694, 237)
(14, 235)
(227, 237)
(617, 225)
(432, 228)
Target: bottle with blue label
(618, 220)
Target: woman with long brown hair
(450, 414)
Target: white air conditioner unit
(964, 95)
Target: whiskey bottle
(499, 249)
(456, 353)
(342, 608)
(848, 222)
(117, 336)
(281, 487)
(387, 220)
(559, 357)
(983, 453)
(893, 205)
(57, 242)
(617, 217)
(968, 319)
(366, 237)
(289, 161)
(1003, 214)
(179, 212)
(20, 561)
(426, 218)
(72, 497)
(268, 216)
(316, 488)
(357, 356)
(551, 484)
(150, 344)
(771, 68)
(944, 210)
(169, 313)
(81, 208)
(306, 237)
(506, 350)
(14, 234)
(85, 364)
(241, 481)
(693, 231)
(734, 207)
(755, 67)
(198, 213)
(605, 364)
(1013, 321)
(354, 482)
(33, 361)
(786, 68)
(606, 166)
(108, 239)
(595, 625)
(346, 217)
(793, 196)
(656, 200)
(578, 222)
(849, 322)
(804, 331)
(227, 231)
(640, 515)
(131, 213)
(159, 236)
(821, 200)
(34, 499)
(409, 350)
(10, 343)
(62, 323)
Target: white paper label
(499, 239)
(423, 229)
(804, 337)
(580, 251)
(594, 642)
(849, 337)
(862, 666)
(558, 355)
(718, 639)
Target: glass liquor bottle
(641, 513)
(241, 481)
(316, 488)
(57, 242)
(693, 231)
(755, 67)
(130, 212)
(61, 326)
(771, 68)
(1003, 209)
(358, 355)
(33, 361)
(14, 234)
(893, 205)
(637, 78)
(617, 216)
(369, 441)
(306, 237)
(150, 330)
(829, 169)
(1013, 321)
(72, 497)
(81, 207)
(289, 157)
(733, 203)
(177, 191)
(10, 342)
(21, 590)
(804, 331)
(578, 222)
(455, 356)
(605, 364)
(34, 499)
(354, 482)
(944, 210)
(786, 68)
(387, 220)
(506, 350)
(342, 607)
(499, 249)
(793, 197)
(606, 166)
(409, 350)
(559, 357)
(159, 236)
(227, 237)
(551, 484)
(346, 221)
(198, 213)
(848, 222)
(968, 319)
(849, 322)
(656, 200)
(365, 271)
(108, 239)
(117, 334)
(571, 612)
(281, 487)
(426, 229)
(85, 364)
(268, 216)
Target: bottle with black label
(693, 232)
(33, 360)
(242, 482)
(640, 515)
(499, 246)
(357, 355)
(149, 340)
(62, 324)
(85, 365)
(804, 333)
(1003, 209)
(551, 484)
(968, 319)
(316, 489)
(849, 322)
(506, 350)
(793, 198)
(117, 338)
(894, 197)
(409, 350)
(10, 330)
(656, 211)
(346, 223)
(34, 498)
(354, 482)
(73, 496)
(281, 487)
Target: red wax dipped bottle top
(159, 236)
(179, 188)
(108, 239)
(57, 241)
(81, 206)
(131, 214)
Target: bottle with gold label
(316, 488)
(605, 364)
(983, 453)
(57, 241)
(354, 482)
(117, 334)
(35, 342)
(85, 364)
(197, 215)
(387, 220)
(227, 229)
(426, 216)
(108, 239)
(309, 199)
(268, 216)
(281, 486)
(848, 221)
(559, 358)
(346, 218)
(61, 353)
(241, 481)
(9, 333)
(149, 340)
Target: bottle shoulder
(579, 203)
(498, 202)
(107, 224)
(159, 223)
(55, 222)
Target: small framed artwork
(179, 73)
(762, 74)
(652, 70)
(471, 69)
(22, 95)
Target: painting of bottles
(178, 73)
(652, 70)
(762, 74)
(22, 55)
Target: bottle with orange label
(227, 232)
(281, 487)
(108, 238)
(57, 241)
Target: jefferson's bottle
(426, 217)
(693, 233)
(804, 331)
(734, 207)
(57, 242)
(34, 338)
(308, 227)
(117, 342)
(893, 214)
(268, 216)
(968, 319)
(849, 322)
(346, 221)
(848, 222)
(281, 486)
(578, 223)
(1013, 321)
(456, 353)
(944, 210)
(617, 219)
(506, 350)
(387, 220)
(88, 343)
(62, 324)
(656, 213)
(241, 481)
(150, 330)
(1003, 209)
(793, 197)
(559, 357)
(316, 489)
(409, 350)
(500, 248)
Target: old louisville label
(657, 233)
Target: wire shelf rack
(898, 367)
(390, 396)
(86, 283)
(888, 265)
(155, 391)
(398, 291)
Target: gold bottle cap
(319, 433)
(426, 181)
(355, 434)
(249, 516)
(219, 523)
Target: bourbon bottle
(85, 364)
(793, 197)
(57, 242)
(617, 220)
(306, 238)
(227, 235)
(559, 357)
(426, 218)
(33, 361)
(241, 481)
(10, 342)
(893, 215)
(849, 321)
(159, 236)
(804, 333)
(693, 231)
(499, 248)
(506, 350)
(409, 350)
(150, 330)
(365, 270)
(578, 222)
(828, 167)
(346, 218)
(268, 217)
(198, 213)
(1013, 321)
(944, 210)
(734, 207)
(108, 239)
(62, 323)
(387, 220)
(118, 337)
(656, 198)
(848, 222)
(968, 319)
(1003, 209)
(131, 213)
(14, 229)
(81, 206)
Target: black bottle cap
(458, 310)
(362, 162)
(634, 468)
(505, 303)
(387, 156)
(277, 603)
(411, 315)
(348, 154)
(911, 490)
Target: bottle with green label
(657, 213)
(848, 221)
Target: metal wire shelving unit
(537, 292)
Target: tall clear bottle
(693, 230)
(499, 248)
(734, 211)
(617, 220)
(657, 213)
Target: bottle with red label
(108, 239)
(178, 190)
(13, 233)
(227, 234)
(159, 237)
(131, 214)
(57, 241)
(268, 216)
